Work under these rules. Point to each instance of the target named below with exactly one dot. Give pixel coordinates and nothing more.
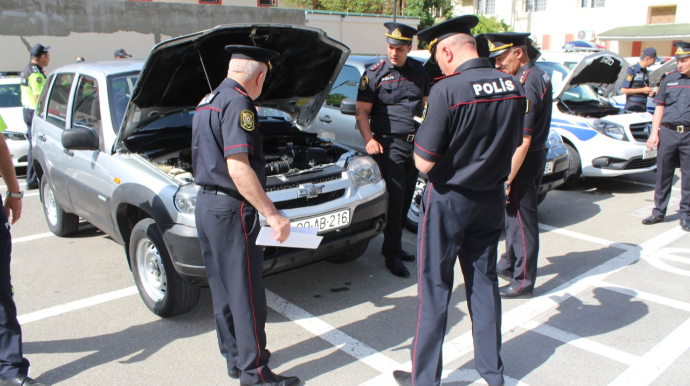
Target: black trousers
(227, 229)
(522, 224)
(30, 173)
(400, 173)
(12, 361)
(673, 146)
(462, 225)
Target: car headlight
(185, 198)
(13, 135)
(554, 140)
(363, 170)
(610, 129)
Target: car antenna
(204, 68)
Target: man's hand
(651, 94)
(373, 147)
(646, 90)
(653, 140)
(13, 208)
(280, 225)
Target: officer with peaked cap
(671, 133)
(121, 54)
(519, 263)
(471, 128)
(636, 85)
(391, 94)
(229, 167)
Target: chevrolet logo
(310, 190)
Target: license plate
(548, 168)
(649, 153)
(325, 222)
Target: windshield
(10, 95)
(120, 91)
(558, 73)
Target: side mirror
(348, 106)
(79, 138)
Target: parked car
(336, 122)
(113, 146)
(602, 140)
(13, 114)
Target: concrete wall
(94, 29)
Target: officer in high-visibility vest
(33, 80)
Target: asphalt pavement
(611, 307)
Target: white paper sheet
(300, 237)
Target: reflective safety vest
(32, 82)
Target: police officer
(671, 133)
(121, 54)
(32, 81)
(14, 368)
(472, 126)
(636, 84)
(391, 94)
(519, 263)
(229, 166)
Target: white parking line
(647, 210)
(591, 239)
(645, 296)
(32, 237)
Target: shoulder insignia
(247, 120)
(377, 65)
(629, 77)
(493, 86)
(39, 80)
(364, 82)
(207, 99)
(426, 106)
(440, 78)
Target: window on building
(210, 1)
(535, 5)
(662, 15)
(486, 7)
(266, 3)
(593, 3)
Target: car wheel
(163, 290)
(352, 254)
(574, 168)
(541, 198)
(61, 223)
(413, 213)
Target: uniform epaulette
(523, 76)
(377, 65)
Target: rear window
(57, 102)
(10, 95)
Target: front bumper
(555, 179)
(368, 220)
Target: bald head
(455, 50)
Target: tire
(161, 288)
(61, 223)
(412, 217)
(574, 168)
(353, 254)
(541, 198)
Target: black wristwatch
(19, 195)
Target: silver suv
(113, 147)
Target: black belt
(402, 137)
(220, 191)
(536, 148)
(678, 128)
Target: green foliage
(429, 11)
(334, 99)
(379, 7)
(490, 25)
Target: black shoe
(685, 225)
(277, 381)
(234, 373)
(507, 275)
(652, 220)
(508, 292)
(20, 381)
(406, 256)
(397, 268)
(31, 186)
(403, 378)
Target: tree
(379, 7)
(430, 12)
(490, 25)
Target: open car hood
(174, 76)
(603, 70)
(658, 74)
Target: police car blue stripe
(581, 134)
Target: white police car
(602, 140)
(12, 113)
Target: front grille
(638, 132)
(640, 163)
(292, 185)
(305, 201)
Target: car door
(90, 188)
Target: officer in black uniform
(229, 166)
(671, 133)
(471, 128)
(519, 263)
(636, 84)
(391, 94)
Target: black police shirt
(674, 95)
(396, 94)
(637, 77)
(225, 123)
(472, 126)
(539, 93)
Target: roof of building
(644, 32)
